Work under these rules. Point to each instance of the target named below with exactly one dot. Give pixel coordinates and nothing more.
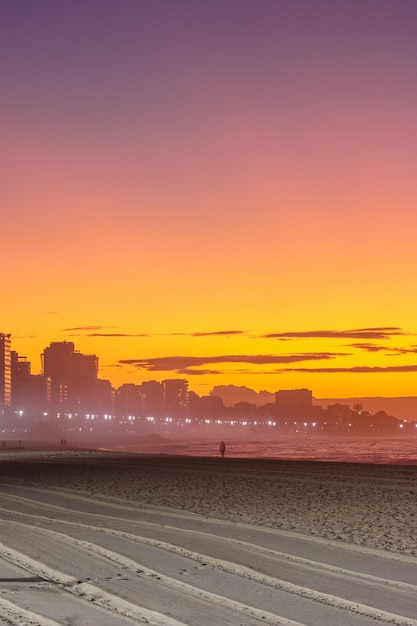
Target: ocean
(401, 451)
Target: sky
(221, 190)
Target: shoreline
(370, 451)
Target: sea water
(401, 451)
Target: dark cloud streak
(97, 333)
(83, 328)
(368, 347)
(359, 369)
(384, 332)
(121, 335)
(117, 335)
(371, 347)
(219, 332)
(180, 363)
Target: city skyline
(65, 360)
(221, 191)
(69, 397)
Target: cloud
(181, 363)
(360, 369)
(211, 333)
(403, 350)
(368, 347)
(113, 365)
(97, 331)
(188, 371)
(384, 332)
(83, 328)
(371, 347)
(117, 335)
(219, 332)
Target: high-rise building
(73, 378)
(129, 400)
(64, 364)
(5, 373)
(175, 397)
(293, 402)
(31, 395)
(153, 398)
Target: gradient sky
(219, 189)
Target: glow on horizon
(172, 171)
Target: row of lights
(169, 420)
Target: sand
(367, 505)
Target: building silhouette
(31, 394)
(293, 402)
(175, 397)
(73, 378)
(129, 401)
(153, 398)
(5, 374)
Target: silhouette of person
(222, 448)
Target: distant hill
(232, 394)
(402, 407)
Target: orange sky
(174, 173)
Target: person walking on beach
(222, 448)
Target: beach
(117, 539)
(374, 506)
